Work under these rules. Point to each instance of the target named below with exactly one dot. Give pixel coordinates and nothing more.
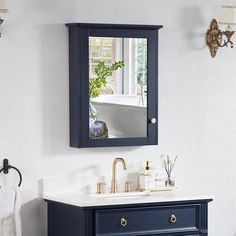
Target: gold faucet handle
(128, 186)
(101, 187)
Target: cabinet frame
(79, 75)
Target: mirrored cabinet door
(117, 87)
(113, 85)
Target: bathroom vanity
(157, 214)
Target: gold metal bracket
(215, 38)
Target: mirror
(113, 84)
(117, 87)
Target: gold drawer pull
(173, 218)
(123, 222)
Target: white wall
(197, 114)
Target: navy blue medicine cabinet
(113, 71)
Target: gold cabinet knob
(173, 218)
(123, 222)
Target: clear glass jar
(170, 182)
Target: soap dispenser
(147, 178)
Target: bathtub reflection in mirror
(117, 87)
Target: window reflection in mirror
(117, 87)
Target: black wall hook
(7, 167)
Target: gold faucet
(114, 180)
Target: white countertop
(93, 201)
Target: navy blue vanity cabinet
(187, 218)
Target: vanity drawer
(147, 220)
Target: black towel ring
(7, 167)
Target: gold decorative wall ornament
(215, 38)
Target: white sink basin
(121, 195)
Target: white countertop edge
(88, 201)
